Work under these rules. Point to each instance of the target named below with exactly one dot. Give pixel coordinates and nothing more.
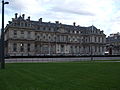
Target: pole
(2, 39)
(91, 47)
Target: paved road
(20, 60)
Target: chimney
(57, 22)
(16, 15)
(29, 18)
(23, 16)
(9, 22)
(40, 20)
(74, 24)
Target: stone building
(113, 44)
(25, 37)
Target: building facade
(25, 37)
(113, 44)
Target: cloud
(72, 11)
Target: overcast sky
(104, 14)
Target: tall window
(76, 51)
(49, 29)
(36, 47)
(22, 32)
(102, 40)
(71, 49)
(44, 28)
(29, 34)
(99, 48)
(21, 47)
(62, 48)
(15, 32)
(95, 39)
(28, 47)
(102, 49)
(99, 39)
(95, 48)
(14, 47)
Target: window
(49, 38)
(15, 24)
(95, 39)
(38, 37)
(54, 38)
(14, 47)
(15, 32)
(49, 29)
(21, 47)
(99, 49)
(71, 49)
(22, 32)
(43, 37)
(89, 39)
(102, 40)
(29, 34)
(57, 28)
(38, 28)
(99, 39)
(36, 46)
(25, 24)
(36, 34)
(22, 24)
(102, 49)
(62, 48)
(95, 48)
(75, 32)
(44, 28)
(28, 47)
(18, 24)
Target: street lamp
(2, 36)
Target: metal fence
(68, 59)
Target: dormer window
(18, 24)
(15, 24)
(22, 24)
(25, 24)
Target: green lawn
(61, 76)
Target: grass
(61, 76)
